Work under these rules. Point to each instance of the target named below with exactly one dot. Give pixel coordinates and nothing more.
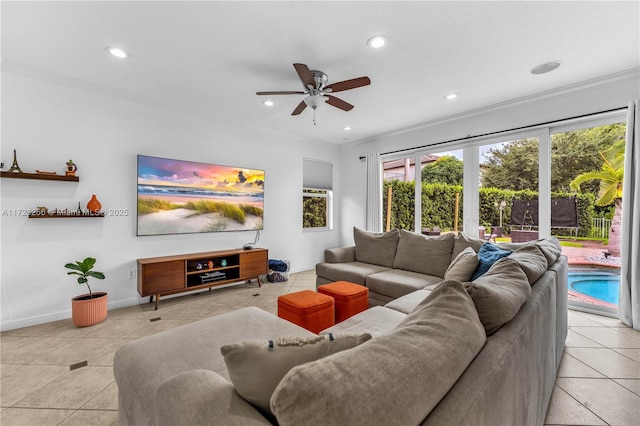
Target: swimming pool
(601, 284)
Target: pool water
(599, 284)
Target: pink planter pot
(86, 312)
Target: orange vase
(94, 205)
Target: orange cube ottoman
(350, 298)
(308, 309)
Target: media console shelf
(162, 276)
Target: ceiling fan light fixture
(377, 41)
(314, 101)
(117, 52)
(545, 67)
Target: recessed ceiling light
(377, 41)
(451, 96)
(346, 128)
(268, 103)
(545, 68)
(118, 53)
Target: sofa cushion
(487, 256)
(355, 272)
(257, 366)
(532, 261)
(463, 266)
(550, 247)
(463, 241)
(376, 248)
(375, 321)
(398, 282)
(499, 294)
(407, 371)
(423, 254)
(408, 302)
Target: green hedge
(438, 205)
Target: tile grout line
(581, 404)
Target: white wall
(589, 97)
(50, 123)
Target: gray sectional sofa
(444, 352)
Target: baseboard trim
(42, 319)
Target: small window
(317, 194)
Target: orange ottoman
(350, 298)
(308, 309)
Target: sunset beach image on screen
(183, 197)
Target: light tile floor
(598, 382)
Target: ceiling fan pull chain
(314, 116)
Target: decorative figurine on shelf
(94, 205)
(210, 264)
(71, 168)
(79, 208)
(223, 262)
(14, 166)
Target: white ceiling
(209, 58)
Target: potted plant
(87, 309)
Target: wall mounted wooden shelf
(67, 215)
(39, 176)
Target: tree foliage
(514, 165)
(438, 206)
(314, 211)
(446, 169)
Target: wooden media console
(162, 276)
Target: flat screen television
(184, 197)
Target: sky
(168, 172)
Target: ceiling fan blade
(301, 106)
(349, 84)
(280, 93)
(305, 75)
(338, 103)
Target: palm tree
(610, 192)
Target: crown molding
(630, 74)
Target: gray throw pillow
(422, 254)
(499, 293)
(394, 379)
(463, 266)
(377, 248)
(462, 241)
(531, 260)
(257, 366)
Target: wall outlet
(132, 274)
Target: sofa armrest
(340, 254)
(201, 397)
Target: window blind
(317, 174)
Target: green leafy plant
(84, 270)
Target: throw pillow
(551, 249)
(430, 255)
(532, 261)
(407, 371)
(378, 248)
(463, 266)
(499, 294)
(487, 256)
(462, 241)
(257, 366)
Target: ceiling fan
(317, 91)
